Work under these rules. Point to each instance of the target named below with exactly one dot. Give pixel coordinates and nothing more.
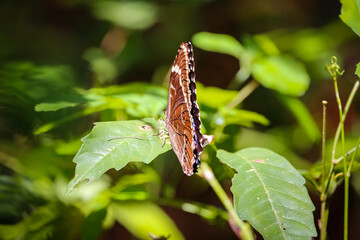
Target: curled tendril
(334, 68)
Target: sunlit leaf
(250, 138)
(139, 100)
(270, 194)
(220, 43)
(44, 107)
(141, 105)
(306, 44)
(67, 147)
(266, 44)
(95, 97)
(101, 152)
(132, 15)
(214, 97)
(103, 67)
(238, 116)
(350, 14)
(143, 219)
(69, 100)
(281, 73)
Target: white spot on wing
(175, 68)
(172, 87)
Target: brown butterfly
(182, 115)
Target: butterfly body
(182, 116)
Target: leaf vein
(277, 217)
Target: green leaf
(240, 116)
(103, 67)
(350, 14)
(137, 99)
(92, 225)
(96, 97)
(281, 73)
(70, 100)
(270, 194)
(143, 219)
(101, 151)
(250, 138)
(214, 97)
(302, 115)
(220, 43)
(44, 107)
(132, 15)
(357, 71)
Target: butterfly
(182, 115)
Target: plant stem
(334, 161)
(323, 145)
(323, 196)
(346, 176)
(347, 154)
(245, 61)
(208, 174)
(346, 109)
(242, 94)
(203, 210)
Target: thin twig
(242, 94)
(203, 210)
(323, 197)
(334, 70)
(347, 154)
(347, 106)
(208, 174)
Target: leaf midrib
(81, 178)
(277, 217)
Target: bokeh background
(52, 48)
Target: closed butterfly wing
(182, 114)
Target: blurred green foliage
(66, 64)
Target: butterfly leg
(163, 133)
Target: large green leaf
(350, 14)
(220, 43)
(95, 97)
(270, 194)
(101, 151)
(139, 100)
(281, 73)
(144, 220)
(128, 14)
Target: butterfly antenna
(159, 99)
